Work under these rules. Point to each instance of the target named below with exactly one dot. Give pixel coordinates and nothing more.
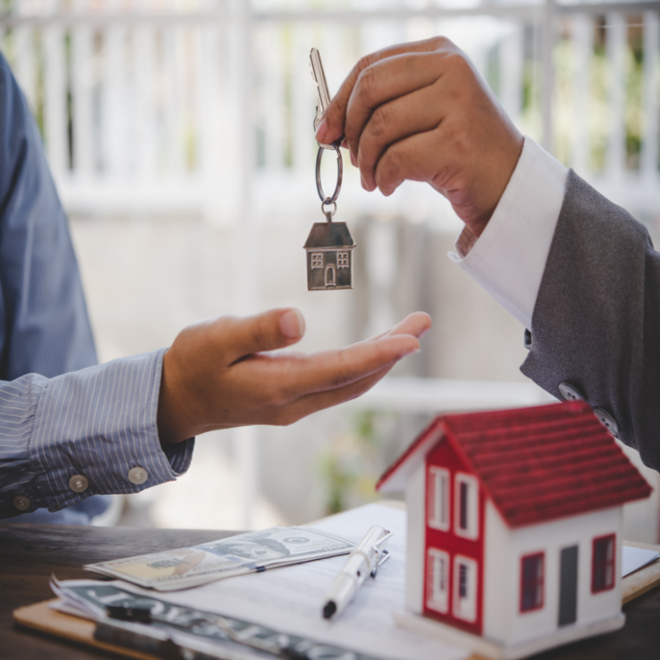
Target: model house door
(330, 279)
(568, 579)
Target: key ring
(326, 201)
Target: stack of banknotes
(236, 555)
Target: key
(322, 91)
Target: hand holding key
(420, 111)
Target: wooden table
(30, 553)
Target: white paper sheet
(632, 559)
(290, 599)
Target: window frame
(465, 608)
(316, 258)
(472, 506)
(538, 582)
(341, 256)
(605, 565)
(436, 558)
(438, 501)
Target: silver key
(322, 91)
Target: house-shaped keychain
(329, 249)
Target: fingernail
(423, 334)
(292, 324)
(321, 131)
(353, 159)
(414, 351)
(364, 185)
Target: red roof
(536, 464)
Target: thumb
(332, 126)
(268, 331)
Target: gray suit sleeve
(596, 322)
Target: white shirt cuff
(509, 257)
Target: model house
(329, 249)
(514, 528)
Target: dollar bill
(236, 555)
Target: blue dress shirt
(68, 430)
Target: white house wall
(551, 538)
(416, 504)
(499, 598)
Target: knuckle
(259, 334)
(365, 85)
(392, 161)
(456, 63)
(364, 63)
(276, 395)
(440, 42)
(379, 122)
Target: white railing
(207, 107)
(139, 101)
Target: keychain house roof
(514, 528)
(329, 249)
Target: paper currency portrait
(257, 549)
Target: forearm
(596, 321)
(582, 275)
(88, 432)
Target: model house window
(466, 506)
(603, 564)
(465, 588)
(317, 259)
(437, 587)
(531, 582)
(438, 498)
(342, 259)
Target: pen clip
(381, 555)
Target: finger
(332, 126)
(406, 160)
(312, 403)
(416, 324)
(282, 379)
(268, 331)
(385, 81)
(334, 369)
(391, 122)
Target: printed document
(290, 599)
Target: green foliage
(352, 463)
(599, 108)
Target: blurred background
(179, 133)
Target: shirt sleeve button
(570, 392)
(78, 483)
(21, 502)
(137, 475)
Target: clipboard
(43, 618)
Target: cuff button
(78, 483)
(21, 502)
(137, 475)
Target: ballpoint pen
(364, 560)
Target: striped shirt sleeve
(98, 423)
